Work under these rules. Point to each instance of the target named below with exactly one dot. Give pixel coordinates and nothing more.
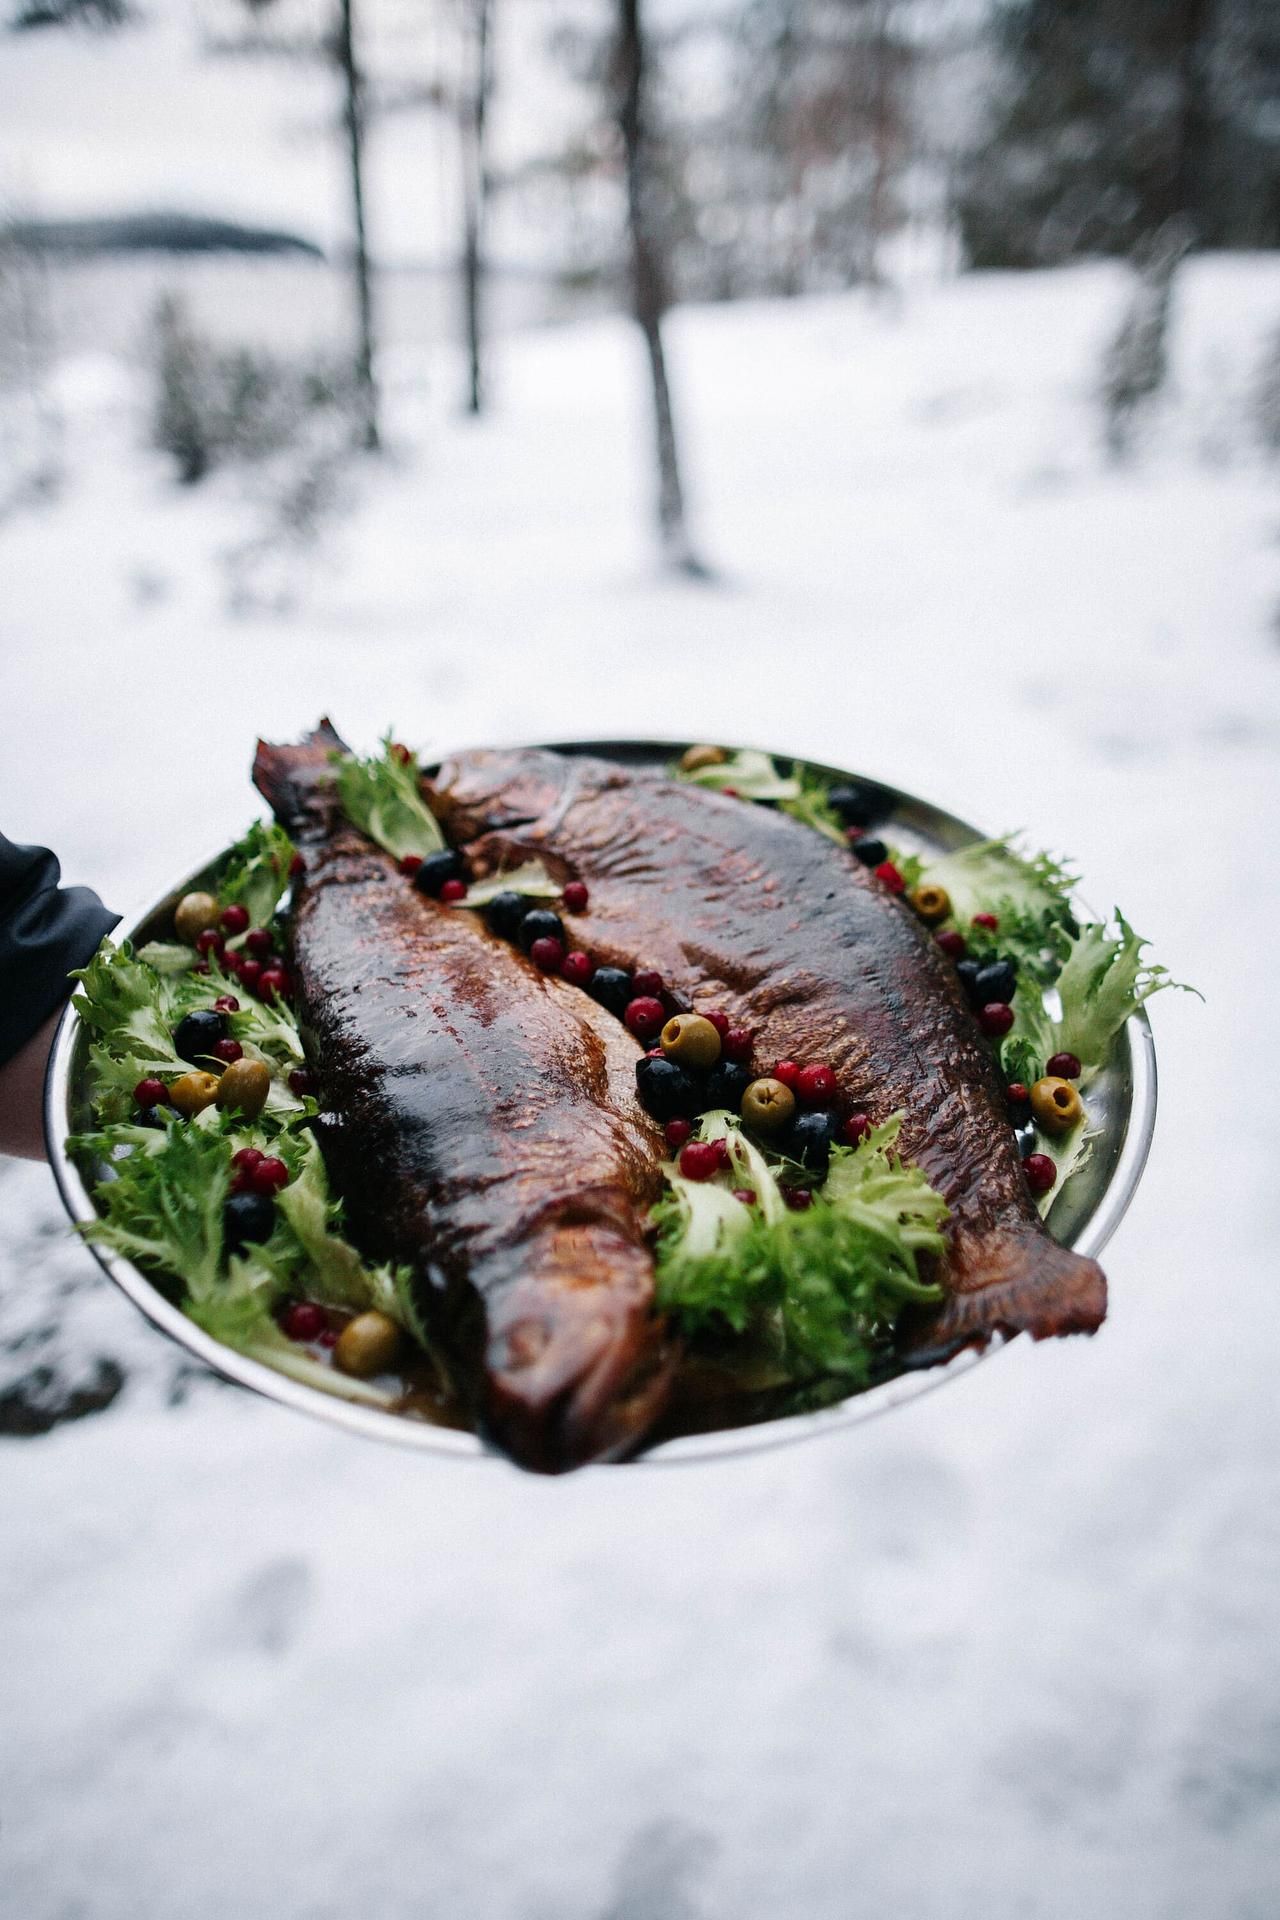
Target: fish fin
(297, 781)
(1002, 1286)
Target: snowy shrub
(215, 406)
(1266, 396)
(1135, 364)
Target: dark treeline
(1110, 119)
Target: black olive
(196, 1036)
(1019, 1111)
(995, 980)
(151, 1116)
(968, 970)
(861, 804)
(436, 869)
(808, 1140)
(246, 1217)
(1026, 1137)
(611, 986)
(505, 912)
(540, 924)
(666, 1090)
(724, 1086)
(870, 852)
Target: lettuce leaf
(833, 1277)
(753, 775)
(1030, 895)
(256, 874)
(381, 796)
(1104, 980)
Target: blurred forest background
(495, 164)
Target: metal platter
(1122, 1101)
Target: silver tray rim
(61, 1092)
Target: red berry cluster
(257, 1172)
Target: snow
(1009, 1652)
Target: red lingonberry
(995, 1018)
(303, 1321)
(234, 918)
(788, 1071)
(272, 980)
(547, 955)
(854, 834)
(1040, 1171)
(269, 1175)
(250, 972)
(258, 942)
(302, 1081)
(151, 1092)
(797, 1198)
(247, 1158)
(226, 1003)
(576, 897)
(887, 872)
(578, 968)
(647, 983)
(953, 944)
(1063, 1066)
(737, 1043)
(644, 1016)
(329, 1338)
(228, 1051)
(815, 1086)
(202, 967)
(720, 1021)
(700, 1159)
(409, 863)
(210, 941)
(988, 920)
(296, 866)
(746, 1195)
(855, 1128)
(676, 1132)
(452, 891)
(1018, 1094)
(400, 753)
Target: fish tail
(1014, 1285)
(297, 781)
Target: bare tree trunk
(648, 284)
(353, 120)
(882, 134)
(475, 193)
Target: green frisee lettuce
(381, 796)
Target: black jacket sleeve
(45, 930)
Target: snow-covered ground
(1008, 1653)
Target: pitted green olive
(367, 1345)
(192, 1092)
(694, 759)
(768, 1105)
(1055, 1104)
(691, 1041)
(194, 914)
(245, 1086)
(931, 903)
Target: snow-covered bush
(214, 406)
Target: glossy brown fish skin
(485, 1132)
(743, 908)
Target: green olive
(693, 759)
(193, 915)
(1055, 1104)
(767, 1105)
(245, 1085)
(931, 903)
(691, 1040)
(192, 1092)
(367, 1345)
